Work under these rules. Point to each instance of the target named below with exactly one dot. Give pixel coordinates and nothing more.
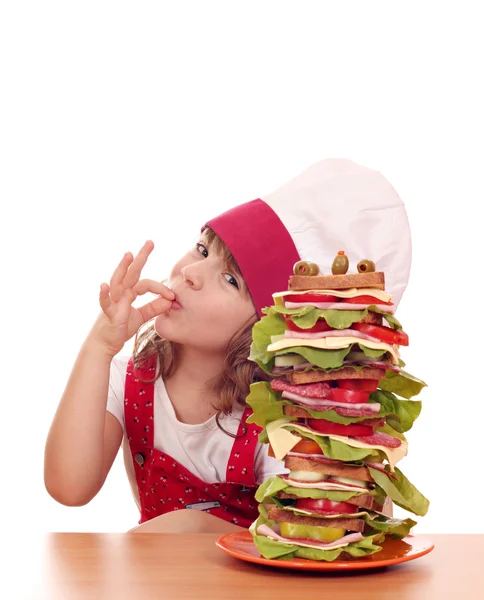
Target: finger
(155, 287)
(137, 265)
(116, 283)
(104, 299)
(155, 308)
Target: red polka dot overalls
(164, 484)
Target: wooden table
(68, 566)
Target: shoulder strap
(138, 404)
(240, 467)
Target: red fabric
(164, 484)
(262, 247)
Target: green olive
(340, 264)
(313, 269)
(302, 268)
(366, 266)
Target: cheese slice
(283, 441)
(351, 293)
(298, 511)
(335, 343)
(323, 485)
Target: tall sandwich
(335, 409)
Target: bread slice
(337, 282)
(286, 516)
(296, 463)
(343, 373)
(362, 500)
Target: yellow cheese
(335, 343)
(352, 293)
(283, 441)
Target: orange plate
(240, 545)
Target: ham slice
(309, 543)
(324, 484)
(340, 306)
(305, 335)
(317, 457)
(342, 408)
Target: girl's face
(212, 302)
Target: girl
(178, 404)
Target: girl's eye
(202, 250)
(231, 280)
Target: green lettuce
(402, 492)
(402, 383)
(262, 331)
(307, 316)
(401, 414)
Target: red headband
(262, 247)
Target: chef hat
(333, 205)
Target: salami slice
(379, 439)
(309, 390)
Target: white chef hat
(333, 205)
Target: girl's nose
(193, 276)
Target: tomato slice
(323, 426)
(319, 326)
(363, 385)
(382, 333)
(327, 506)
(311, 298)
(366, 300)
(349, 396)
(307, 447)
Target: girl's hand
(119, 321)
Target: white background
(126, 121)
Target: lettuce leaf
(262, 331)
(403, 384)
(306, 316)
(402, 492)
(401, 414)
(397, 528)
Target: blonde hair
(232, 387)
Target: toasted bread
(296, 463)
(343, 373)
(362, 500)
(337, 282)
(286, 516)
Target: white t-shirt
(202, 448)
